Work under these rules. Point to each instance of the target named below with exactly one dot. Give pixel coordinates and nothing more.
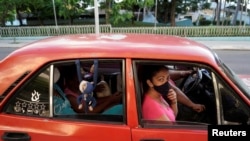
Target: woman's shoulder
(148, 100)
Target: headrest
(102, 89)
(56, 75)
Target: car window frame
(214, 74)
(96, 116)
(30, 78)
(217, 81)
(138, 91)
(51, 115)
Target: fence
(201, 31)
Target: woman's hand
(172, 96)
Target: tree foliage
(7, 10)
(119, 14)
(70, 9)
(116, 11)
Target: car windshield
(234, 77)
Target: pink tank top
(152, 110)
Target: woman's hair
(148, 72)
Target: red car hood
(246, 79)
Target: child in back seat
(72, 92)
(103, 90)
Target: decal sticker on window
(32, 107)
(26, 107)
(35, 96)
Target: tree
(6, 11)
(172, 16)
(174, 8)
(236, 12)
(119, 14)
(107, 6)
(42, 9)
(21, 7)
(70, 9)
(218, 12)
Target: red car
(33, 77)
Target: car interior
(201, 88)
(109, 82)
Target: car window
(222, 104)
(106, 98)
(234, 111)
(33, 98)
(191, 87)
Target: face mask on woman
(162, 89)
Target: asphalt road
(237, 60)
(5, 51)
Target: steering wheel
(192, 81)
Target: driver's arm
(183, 99)
(177, 74)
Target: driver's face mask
(162, 89)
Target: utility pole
(96, 17)
(54, 9)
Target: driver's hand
(198, 107)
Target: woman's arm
(183, 99)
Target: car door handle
(15, 136)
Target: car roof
(116, 45)
(139, 46)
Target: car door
(30, 113)
(161, 130)
(224, 105)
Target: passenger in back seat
(103, 91)
(71, 89)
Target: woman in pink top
(160, 102)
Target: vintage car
(34, 77)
